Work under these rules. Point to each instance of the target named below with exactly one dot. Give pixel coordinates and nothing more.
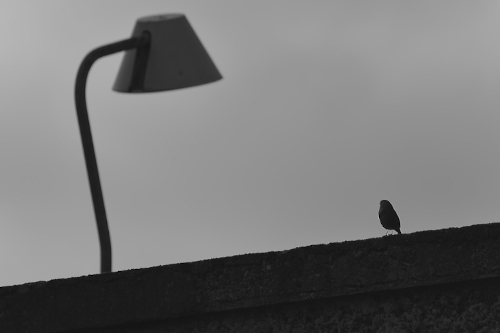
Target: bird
(388, 216)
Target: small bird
(388, 217)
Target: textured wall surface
(433, 281)
(464, 307)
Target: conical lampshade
(174, 58)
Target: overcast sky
(325, 108)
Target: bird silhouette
(388, 217)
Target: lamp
(163, 53)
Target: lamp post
(163, 53)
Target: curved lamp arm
(88, 146)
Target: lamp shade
(174, 58)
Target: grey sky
(326, 107)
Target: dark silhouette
(388, 217)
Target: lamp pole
(88, 145)
(163, 53)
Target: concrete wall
(433, 281)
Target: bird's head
(385, 203)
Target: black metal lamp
(163, 53)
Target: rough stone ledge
(307, 273)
